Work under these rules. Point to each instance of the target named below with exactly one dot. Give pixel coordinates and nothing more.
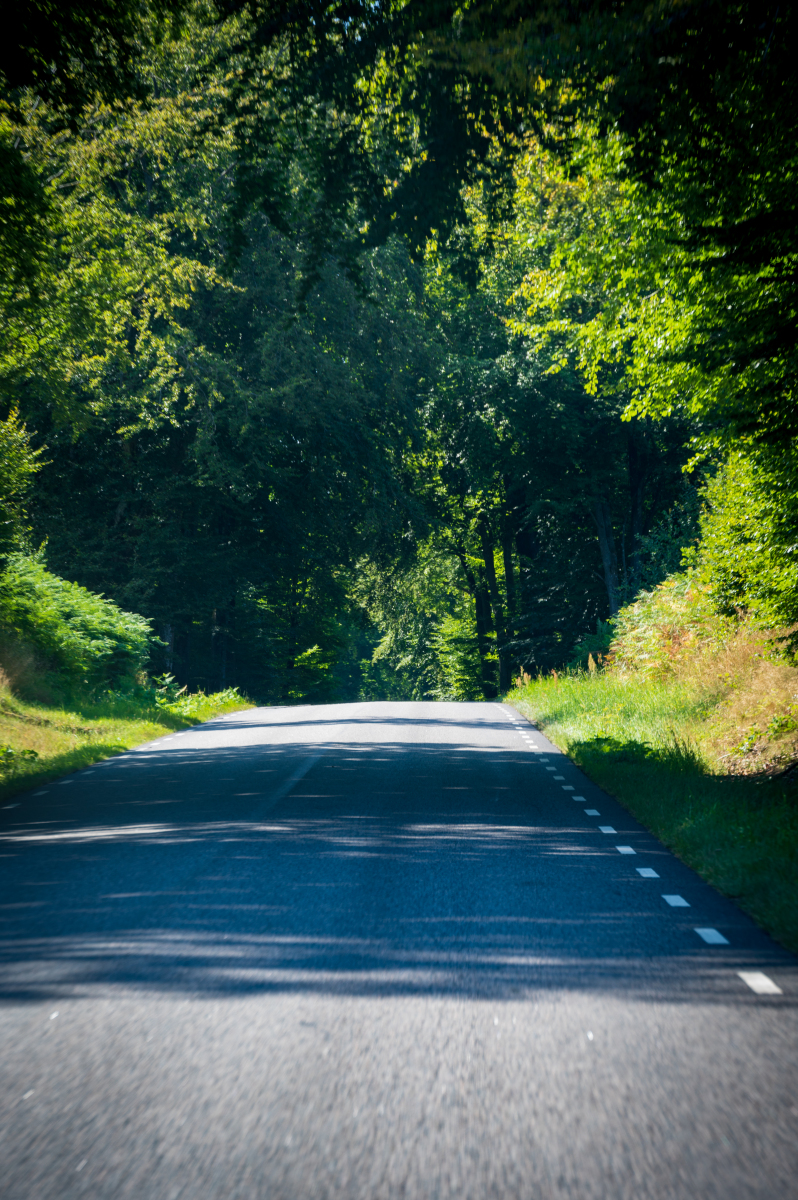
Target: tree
(19, 464)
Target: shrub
(593, 647)
(18, 466)
(171, 698)
(79, 635)
(748, 553)
(662, 628)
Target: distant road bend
(374, 951)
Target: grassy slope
(68, 739)
(641, 740)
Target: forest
(392, 349)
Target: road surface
(377, 951)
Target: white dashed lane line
(757, 981)
(712, 937)
(760, 983)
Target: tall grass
(40, 742)
(585, 706)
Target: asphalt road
(376, 951)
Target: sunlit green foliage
(79, 635)
(748, 553)
(126, 247)
(19, 463)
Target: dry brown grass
(746, 688)
(751, 692)
(754, 728)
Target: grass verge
(40, 742)
(640, 740)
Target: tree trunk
(482, 612)
(219, 642)
(600, 511)
(169, 654)
(527, 546)
(509, 569)
(496, 604)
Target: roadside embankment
(692, 727)
(40, 742)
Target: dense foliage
(77, 634)
(389, 350)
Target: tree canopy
(386, 349)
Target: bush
(79, 635)
(178, 702)
(662, 628)
(18, 466)
(748, 553)
(592, 647)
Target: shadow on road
(392, 869)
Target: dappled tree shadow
(390, 868)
